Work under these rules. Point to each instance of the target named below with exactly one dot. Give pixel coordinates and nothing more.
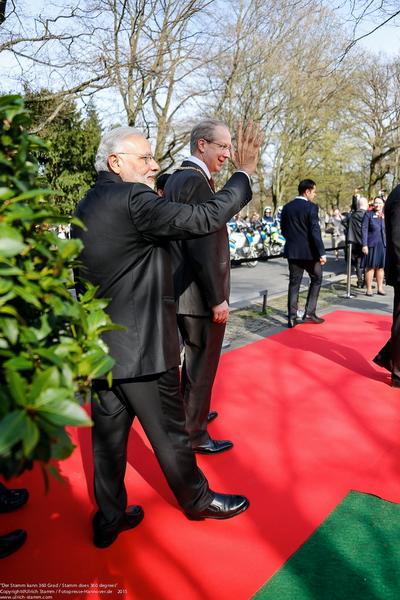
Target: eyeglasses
(222, 147)
(146, 157)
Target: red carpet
(311, 418)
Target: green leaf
(65, 413)
(17, 386)
(50, 395)
(5, 286)
(10, 329)
(49, 355)
(18, 363)
(43, 380)
(63, 446)
(8, 310)
(95, 320)
(30, 437)
(27, 295)
(10, 241)
(11, 430)
(95, 363)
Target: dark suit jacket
(201, 266)
(126, 253)
(392, 226)
(301, 230)
(353, 226)
(373, 230)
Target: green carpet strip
(353, 555)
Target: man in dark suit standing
(202, 282)
(389, 356)
(126, 254)
(304, 251)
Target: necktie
(212, 184)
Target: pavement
(247, 323)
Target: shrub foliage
(50, 344)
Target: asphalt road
(247, 282)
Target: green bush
(50, 345)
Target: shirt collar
(201, 164)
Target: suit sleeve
(364, 229)
(161, 219)
(315, 230)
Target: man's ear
(113, 162)
(201, 146)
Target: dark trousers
(390, 352)
(356, 258)
(296, 271)
(157, 403)
(203, 341)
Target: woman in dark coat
(374, 246)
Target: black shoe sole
(210, 452)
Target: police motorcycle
(274, 239)
(242, 243)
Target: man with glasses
(126, 254)
(202, 282)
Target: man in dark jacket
(353, 225)
(304, 251)
(202, 282)
(389, 356)
(126, 254)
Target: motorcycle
(242, 245)
(274, 240)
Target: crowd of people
(162, 259)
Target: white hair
(110, 143)
(362, 203)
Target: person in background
(337, 235)
(374, 246)
(267, 216)
(254, 219)
(356, 196)
(304, 251)
(161, 182)
(354, 237)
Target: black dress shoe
(10, 542)
(313, 319)
(223, 506)
(213, 446)
(12, 499)
(212, 415)
(105, 536)
(395, 381)
(292, 322)
(385, 363)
